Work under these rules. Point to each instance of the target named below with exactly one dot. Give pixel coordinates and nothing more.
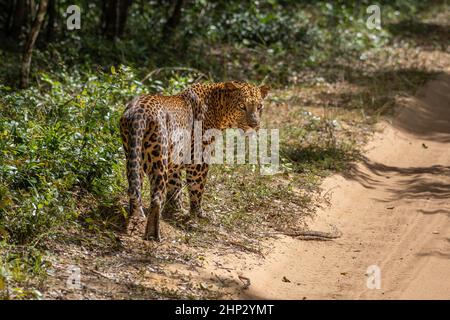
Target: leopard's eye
(260, 106)
(242, 107)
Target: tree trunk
(32, 5)
(51, 20)
(110, 18)
(103, 17)
(9, 18)
(34, 32)
(124, 6)
(114, 17)
(19, 18)
(173, 21)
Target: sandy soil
(393, 209)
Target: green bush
(59, 139)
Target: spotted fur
(147, 126)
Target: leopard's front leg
(196, 178)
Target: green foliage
(224, 39)
(314, 147)
(15, 267)
(59, 139)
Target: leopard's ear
(231, 85)
(264, 89)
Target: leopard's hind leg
(157, 170)
(132, 131)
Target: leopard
(147, 128)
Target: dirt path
(393, 209)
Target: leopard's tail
(134, 165)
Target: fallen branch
(313, 235)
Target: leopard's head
(245, 103)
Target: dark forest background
(222, 39)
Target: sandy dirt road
(393, 209)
